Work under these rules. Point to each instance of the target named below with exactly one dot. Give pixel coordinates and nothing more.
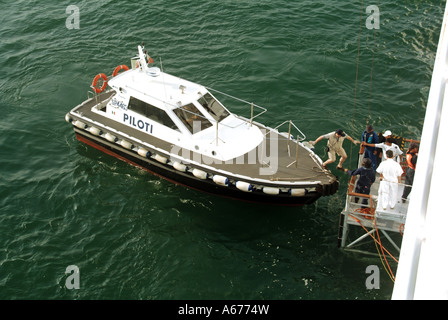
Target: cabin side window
(213, 107)
(192, 118)
(151, 112)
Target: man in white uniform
(391, 172)
(388, 145)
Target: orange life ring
(121, 67)
(95, 82)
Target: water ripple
(135, 236)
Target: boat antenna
(142, 59)
(161, 66)
(163, 77)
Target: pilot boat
(179, 130)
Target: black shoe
(340, 168)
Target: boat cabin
(180, 112)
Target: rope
(357, 61)
(356, 76)
(357, 220)
(388, 270)
(399, 183)
(357, 72)
(371, 72)
(401, 229)
(369, 213)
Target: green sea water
(136, 236)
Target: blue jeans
(369, 154)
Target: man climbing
(334, 145)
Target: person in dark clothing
(366, 178)
(370, 136)
(411, 160)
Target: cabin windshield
(151, 112)
(216, 110)
(192, 118)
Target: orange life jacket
(410, 160)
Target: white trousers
(387, 193)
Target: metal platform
(372, 221)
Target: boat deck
(278, 169)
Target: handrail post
(251, 113)
(289, 136)
(216, 133)
(297, 150)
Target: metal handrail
(241, 100)
(289, 132)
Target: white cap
(387, 133)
